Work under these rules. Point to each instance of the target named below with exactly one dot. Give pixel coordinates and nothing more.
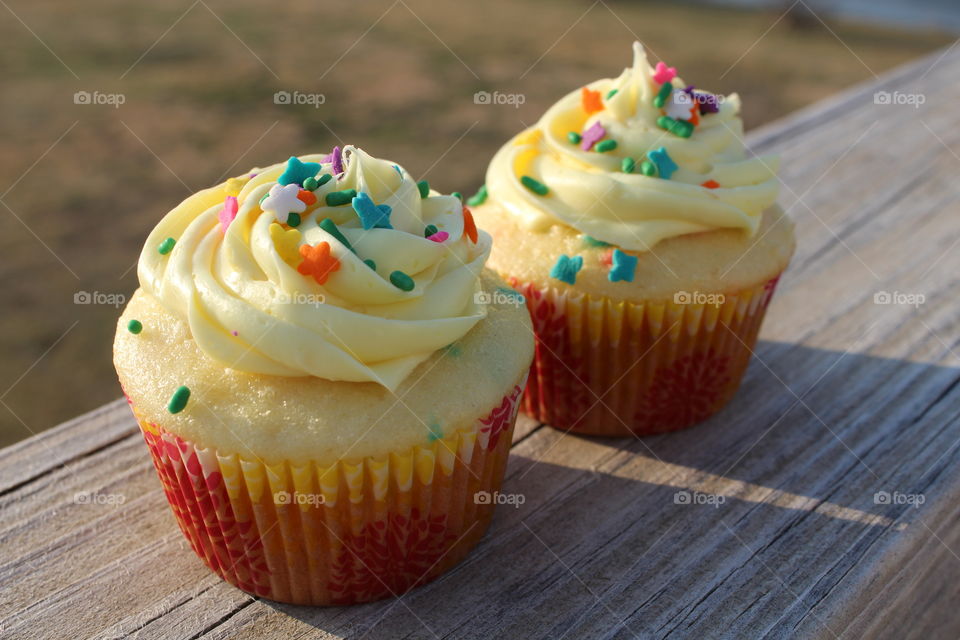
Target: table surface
(823, 500)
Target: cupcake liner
(609, 367)
(354, 531)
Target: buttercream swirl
(237, 284)
(590, 191)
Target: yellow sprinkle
(234, 185)
(287, 243)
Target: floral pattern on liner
(378, 528)
(605, 367)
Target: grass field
(82, 184)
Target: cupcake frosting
(634, 160)
(341, 267)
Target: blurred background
(111, 113)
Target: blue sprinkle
(297, 171)
(566, 269)
(624, 265)
(371, 215)
(436, 431)
(665, 164)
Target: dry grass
(200, 102)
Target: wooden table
(822, 503)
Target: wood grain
(845, 398)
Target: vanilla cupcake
(647, 242)
(325, 381)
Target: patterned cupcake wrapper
(612, 368)
(342, 534)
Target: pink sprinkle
(663, 73)
(592, 136)
(235, 333)
(439, 236)
(253, 175)
(228, 213)
(606, 258)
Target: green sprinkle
(424, 188)
(370, 263)
(402, 281)
(166, 246)
(662, 95)
(293, 219)
(534, 185)
(340, 198)
(628, 165)
(263, 197)
(134, 327)
(330, 227)
(593, 242)
(310, 183)
(479, 197)
(647, 168)
(611, 93)
(178, 400)
(430, 230)
(457, 195)
(680, 128)
(606, 145)
(324, 179)
(574, 137)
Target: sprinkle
(606, 145)
(624, 266)
(337, 158)
(611, 93)
(178, 401)
(134, 327)
(235, 333)
(663, 73)
(479, 197)
(311, 184)
(330, 227)
(662, 95)
(681, 106)
(593, 242)
(166, 246)
(665, 164)
(457, 195)
(235, 185)
(453, 349)
(592, 135)
(590, 100)
(293, 219)
(370, 263)
(709, 103)
(439, 236)
(372, 216)
(340, 198)
(647, 168)
(424, 187)
(306, 197)
(297, 171)
(324, 179)
(606, 258)
(574, 137)
(282, 200)
(430, 230)
(710, 184)
(566, 269)
(627, 165)
(436, 431)
(317, 262)
(402, 281)
(228, 212)
(469, 226)
(287, 243)
(680, 128)
(534, 185)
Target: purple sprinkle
(235, 333)
(337, 158)
(708, 102)
(253, 175)
(592, 136)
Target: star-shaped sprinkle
(306, 197)
(592, 135)
(228, 212)
(624, 266)
(297, 171)
(680, 106)
(336, 157)
(317, 262)
(662, 73)
(591, 101)
(282, 201)
(469, 226)
(372, 216)
(235, 185)
(708, 102)
(566, 269)
(665, 164)
(287, 243)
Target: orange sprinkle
(695, 116)
(591, 101)
(710, 184)
(306, 197)
(469, 226)
(606, 258)
(317, 262)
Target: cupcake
(324, 378)
(647, 242)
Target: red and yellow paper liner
(347, 533)
(612, 368)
